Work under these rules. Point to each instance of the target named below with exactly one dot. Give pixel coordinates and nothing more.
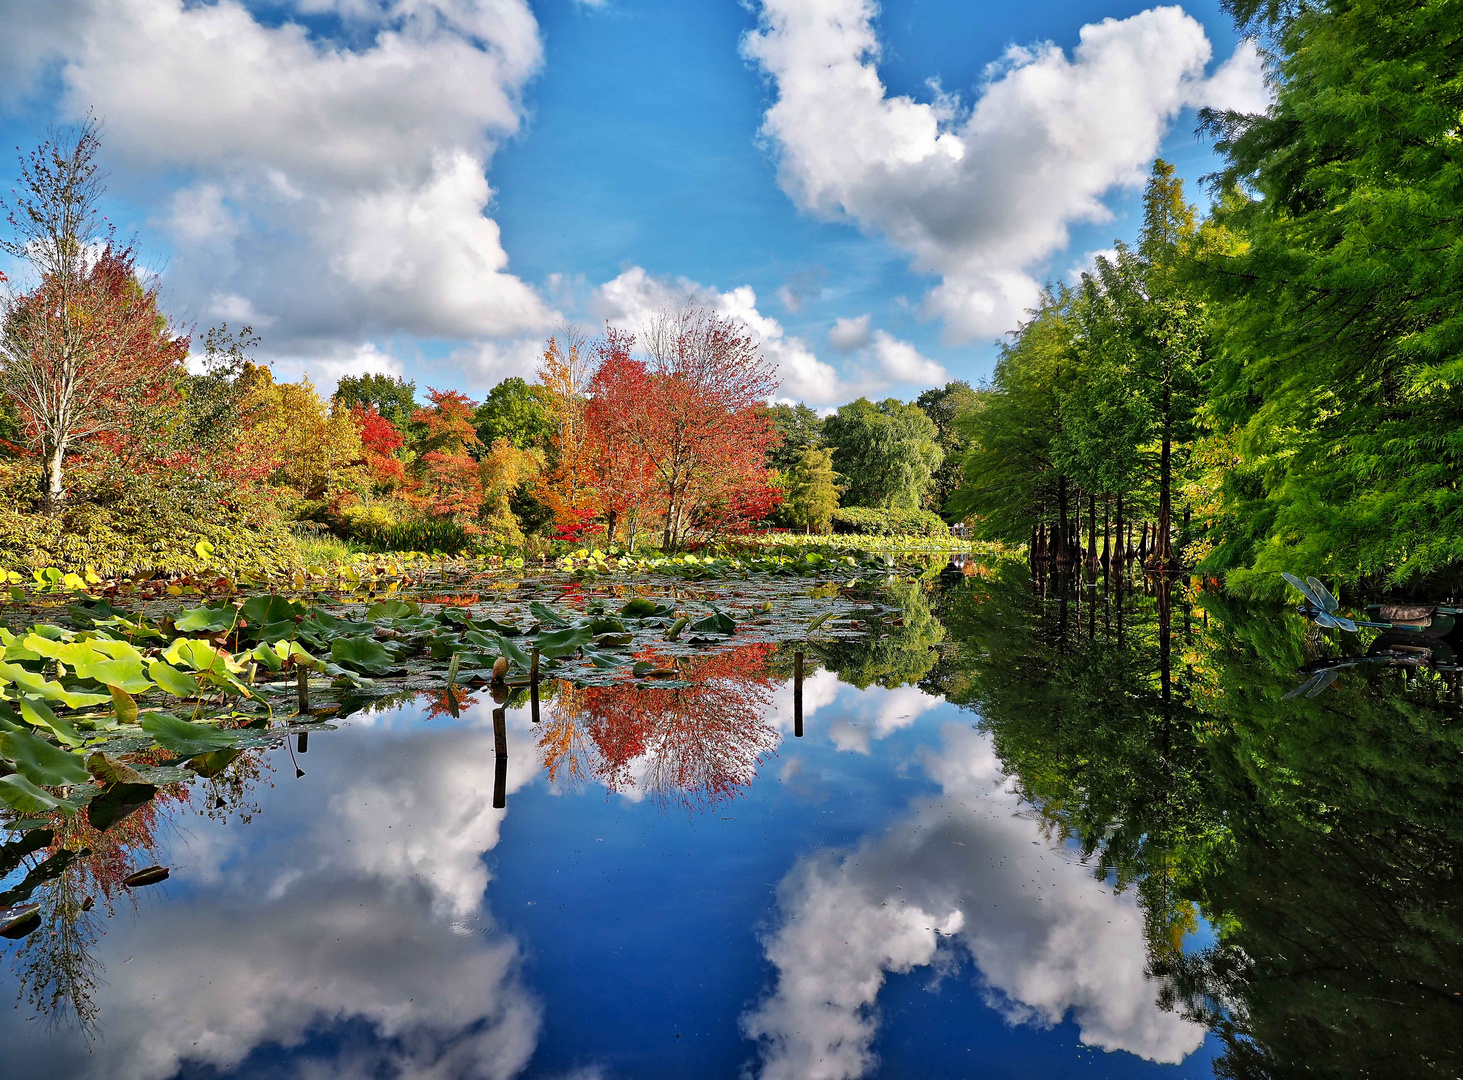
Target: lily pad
(18, 793)
(40, 762)
(564, 642)
(362, 653)
(183, 738)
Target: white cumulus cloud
(978, 196)
(330, 194)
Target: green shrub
(144, 527)
(875, 521)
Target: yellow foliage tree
(502, 469)
(567, 487)
(317, 448)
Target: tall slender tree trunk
(1062, 525)
(1092, 537)
(1120, 553)
(1106, 539)
(1163, 547)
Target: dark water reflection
(1006, 844)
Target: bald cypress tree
(1341, 372)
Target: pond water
(1018, 836)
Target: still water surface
(679, 887)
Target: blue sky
(430, 187)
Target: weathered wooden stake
(500, 753)
(533, 684)
(797, 695)
(302, 687)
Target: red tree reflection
(696, 745)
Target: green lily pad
(210, 619)
(18, 793)
(362, 653)
(40, 762)
(183, 738)
(564, 642)
(271, 608)
(392, 609)
(180, 683)
(547, 616)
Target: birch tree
(80, 333)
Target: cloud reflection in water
(964, 872)
(355, 904)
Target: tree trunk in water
(1120, 553)
(1091, 537)
(1106, 541)
(1162, 546)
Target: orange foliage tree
(692, 413)
(450, 486)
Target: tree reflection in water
(57, 968)
(1320, 840)
(690, 745)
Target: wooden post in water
(533, 684)
(797, 695)
(302, 742)
(500, 755)
(302, 687)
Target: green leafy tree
(800, 428)
(393, 397)
(811, 492)
(1343, 299)
(1010, 478)
(944, 405)
(517, 411)
(887, 453)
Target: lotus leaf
(37, 713)
(392, 609)
(179, 683)
(547, 616)
(35, 684)
(717, 622)
(492, 626)
(40, 762)
(514, 654)
(270, 608)
(606, 626)
(18, 793)
(106, 770)
(211, 619)
(210, 765)
(119, 800)
(564, 642)
(640, 607)
(123, 705)
(183, 738)
(362, 653)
